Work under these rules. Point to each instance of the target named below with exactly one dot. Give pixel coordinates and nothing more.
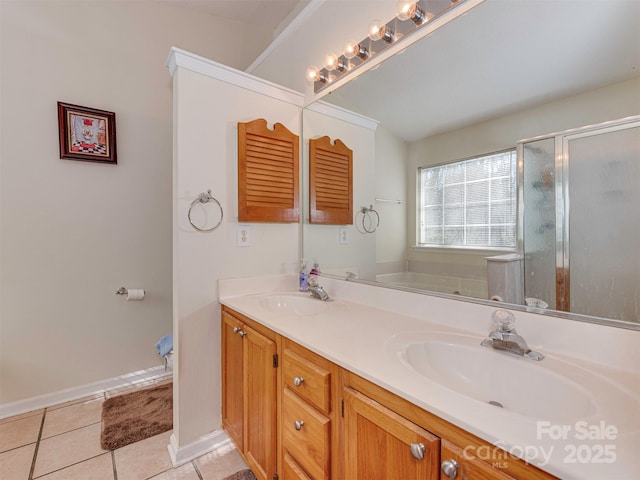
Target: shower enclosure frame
(562, 198)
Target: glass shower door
(539, 220)
(602, 235)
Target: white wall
(207, 111)
(391, 184)
(322, 242)
(73, 232)
(609, 103)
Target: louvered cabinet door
(268, 173)
(330, 182)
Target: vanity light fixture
(380, 36)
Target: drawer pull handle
(241, 333)
(297, 381)
(236, 329)
(298, 424)
(417, 450)
(450, 468)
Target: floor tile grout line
(35, 450)
(195, 467)
(73, 430)
(113, 464)
(21, 416)
(70, 465)
(75, 402)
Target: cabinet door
(469, 467)
(380, 444)
(259, 403)
(232, 379)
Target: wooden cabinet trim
(232, 379)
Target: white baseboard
(42, 401)
(183, 454)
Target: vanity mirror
(501, 73)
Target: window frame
(470, 249)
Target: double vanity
(382, 384)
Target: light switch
(344, 236)
(243, 236)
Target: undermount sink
(293, 304)
(517, 384)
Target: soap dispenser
(304, 278)
(314, 270)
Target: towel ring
(368, 213)
(205, 198)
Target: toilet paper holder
(131, 293)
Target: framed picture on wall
(87, 134)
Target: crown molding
(343, 114)
(179, 58)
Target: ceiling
(266, 13)
(499, 58)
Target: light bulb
(409, 10)
(403, 9)
(378, 31)
(331, 61)
(313, 74)
(353, 49)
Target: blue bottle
(304, 278)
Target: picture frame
(87, 134)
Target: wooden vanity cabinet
(308, 420)
(249, 386)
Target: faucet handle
(504, 320)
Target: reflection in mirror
(465, 91)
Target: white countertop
(365, 340)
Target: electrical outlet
(344, 236)
(243, 235)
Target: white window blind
(471, 203)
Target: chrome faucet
(316, 290)
(504, 336)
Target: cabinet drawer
(308, 445)
(307, 379)
(291, 470)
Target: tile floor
(63, 443)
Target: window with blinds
(471, 203)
